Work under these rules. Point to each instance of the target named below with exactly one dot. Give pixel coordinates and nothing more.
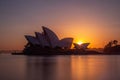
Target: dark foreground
(69, 52)
(70, 67)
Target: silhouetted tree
(112, 46)
(115, 42)
(109, 44)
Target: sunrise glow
(94, 23)
(80, 42)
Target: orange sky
(91, 21)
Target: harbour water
(85, 67)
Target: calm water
(14, 67)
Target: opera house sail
(33, 41)
(51, 37)
(46, 39)
(81, 46)
(42, 39)
(65, 43)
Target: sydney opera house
(46, 39)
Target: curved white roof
(66, 42)
(85, 45)
(42, 39)
(32, 40)
(51, 37)
(81, 46)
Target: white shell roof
(81, 46)
(33, 40)
(42, 39)
(65, 42)
(49, 38)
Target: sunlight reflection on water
(59, 67)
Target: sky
(94, 21)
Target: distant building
(48, 39)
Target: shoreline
(78, 54)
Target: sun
(80, 42)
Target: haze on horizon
(94, 21)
